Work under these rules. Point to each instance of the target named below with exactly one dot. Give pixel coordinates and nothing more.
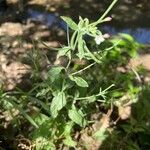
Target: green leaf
(44, 126)
(127, 36)
(43, 92)
(92, 55)
(79, 81)
(81, 23)
(63, 51)
(68, 128)
(54, 72)
(73, 39)
(77, 116)
(70, 22)
(58, 102)
(69, 142)
(91, 99)
(86, 20)
(40, 118)
(80, 47)
(42, 143)
(67, 134)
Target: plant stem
(76, 41)
(88, 97)
(68, 38)
(68, 64)
(72, 41)
(97, 95)
(105, 13)
(83, 69)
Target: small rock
(11, 29)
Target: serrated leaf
(77, 116)
(58, 102)
(79, 81)
(70, 23)
(54, 72)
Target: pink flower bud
(108, 19)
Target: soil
(17, 40)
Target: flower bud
(108, 19)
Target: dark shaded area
(3, 6)
(133, 133)
(127, 13)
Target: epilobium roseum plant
(69, 93)
(77, 48)
(68, 89)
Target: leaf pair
(77, 116)
(70, 23)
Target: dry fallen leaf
(89, 142)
